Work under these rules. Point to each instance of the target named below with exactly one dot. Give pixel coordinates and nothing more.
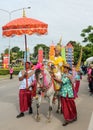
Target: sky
(65, 18)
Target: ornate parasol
(23, 26)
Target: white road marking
(91, 123)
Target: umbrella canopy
(24, 26)
(90, 59)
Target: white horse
(55, 71)
(44, 84)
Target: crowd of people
(90, 77)
(66, 86)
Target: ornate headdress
(58, 46)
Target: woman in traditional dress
(78, 77)
(67, 96)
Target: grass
(4, 76)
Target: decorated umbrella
(89, 60)
(23, 26)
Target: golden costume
(58, 62)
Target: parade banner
(63, 53)
(40, 55)
(69, 54)
(52, 52)
(5, 61)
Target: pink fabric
(89, 71)
(38, 66)
(11, 70)
(45, 80)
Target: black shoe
(75, 119)
(20, 115)
(65, 123)
(30, 110)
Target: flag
(63, 53)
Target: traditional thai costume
(25, 94)
(77, 81)
(67, 99)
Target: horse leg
(38, 115)
(58, 108)
(50, 108)
(38, 106)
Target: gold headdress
(58, 46)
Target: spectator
(11, 72)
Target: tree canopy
(45, 50)
(87, 34)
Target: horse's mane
(46, 76)
(37, 71)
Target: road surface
(9, 108)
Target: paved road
(9, 109)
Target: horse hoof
(49, 120)
(58, 111)
(37, 118)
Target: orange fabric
(24, 26)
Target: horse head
(43, 78)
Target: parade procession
(46, 65)
(53, 80)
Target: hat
(67, 66)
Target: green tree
(20, 54)
(77, 48)
(45, 50)
(16, 53)
(15, 49)
(87, 34)
(6, 51)
(87, 51)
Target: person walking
(11, 70)
(67, 96)
(78, 77)
(90, 78)
(26, 78)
